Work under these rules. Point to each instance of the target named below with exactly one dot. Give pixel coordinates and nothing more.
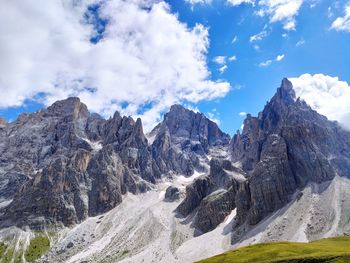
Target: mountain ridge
(284, 176)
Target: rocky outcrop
(212, 197)
(184, 139)
(214, 208)
(284, 148)
(172, 194)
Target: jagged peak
(285, 92)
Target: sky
(224, 58)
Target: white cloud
(270, 61)
(231, 2)
(242, 114)
(223, 69)
(325, 94)
(258, 36)
(194, 2)
(146, 56)
(192, 108)
(221, 60)
(280, 57)
(283, 11)
(343, 23)
(265, 63)
(239, 2)
(232, 58)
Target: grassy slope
(336, 250)
(37, 247)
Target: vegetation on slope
(335, 250)
(38, 246)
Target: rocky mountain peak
(69, 107)
(184, 139)
(286, 147)
(285, 93)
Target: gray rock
(284, 148)
(72, 165)
(184, 139)
(214, 208)
(172, 193)
(220, 177)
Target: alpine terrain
(75, 187)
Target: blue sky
(324, 51)
(312, 47)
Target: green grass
(38, 246)
(2, 249)
(332, 250)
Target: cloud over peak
(325, 94)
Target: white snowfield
(144, 228)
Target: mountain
(63, 164)
(102, 190)
(184, 141)
(287, 148)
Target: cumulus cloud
(343, 23)
(283, 11)
(242, 114)
(111, 53)
(327, 95)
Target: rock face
(284, 148)
(214, 208)
(62, 164)
(184, 139)
(212, 197)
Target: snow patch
(96, 146)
